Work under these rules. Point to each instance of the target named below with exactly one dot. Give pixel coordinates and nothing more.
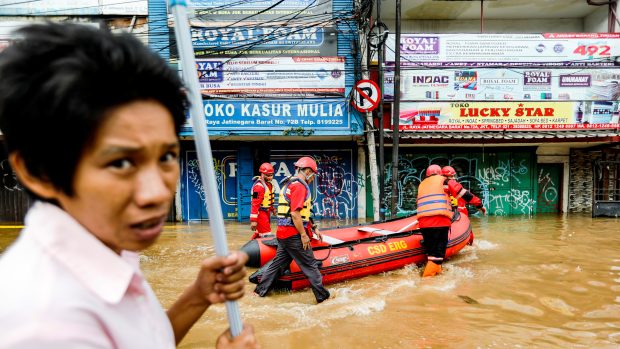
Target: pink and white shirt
(60, 287)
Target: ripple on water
(584, 325)
(558, 305)
(508, 304)
(608, 311)
(597, 283)
(580, 289)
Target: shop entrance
(549, 188)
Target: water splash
(485, 245)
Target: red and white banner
(509, 115)
(506, 50)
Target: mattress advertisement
(506, 50)
(264, 41)
(272, 77)
(508, 115)
(306, 114)
(503, 84)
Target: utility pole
(372, 147)
(396, 113)
(380, 117)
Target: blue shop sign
(269, 115)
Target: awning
(575, 135)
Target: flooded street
(544, 282)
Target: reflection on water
(544, 282)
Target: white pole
(203, 147)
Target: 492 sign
(593, 50)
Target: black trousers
(435, 243)
(290, 249)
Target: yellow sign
(507, 115)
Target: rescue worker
(434, 211)
(262, 202)
(464, 196)
(294, 232)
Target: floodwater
(548, 281)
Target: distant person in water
(91, 122)
(463, 196)
(262, 202)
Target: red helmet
(266, 168)
(433, 170)
(448, 171)
(308, 162)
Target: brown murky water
(543, 282)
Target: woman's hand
(245, 339)
(222, 279)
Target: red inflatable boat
(352, 252)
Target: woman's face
(124, 183)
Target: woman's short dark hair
(59, 81)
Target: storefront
(514, 114)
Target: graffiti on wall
(503, 185)
(224, 164)
(503, 172)
(337, 189)
(193, 175)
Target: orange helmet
(448, 171)
(308, 162)
(433, 170)
(266, 168)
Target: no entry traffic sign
(366, 95)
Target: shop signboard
(279, 77)
(270, 115)
(261, 10)
(503, 84)
(506, 50)
(73, 8)
(264, 41)
(509, 115)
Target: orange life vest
(432, 198)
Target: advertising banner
(509, 115)
(324, 114)
(506, 84)
(264, 41)
(260, 10)
(72, 7)
(272, 77)
(506, 50)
